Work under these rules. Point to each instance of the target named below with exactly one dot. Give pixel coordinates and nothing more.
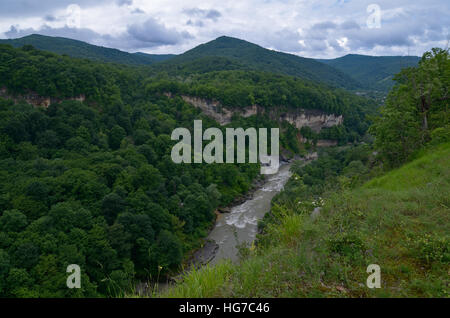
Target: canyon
(315, 119)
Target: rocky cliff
(315, 119)
(37, 100)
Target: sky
(318, 29)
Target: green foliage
(431, 248)
(414, 109)
(276, 94)
(92, 183)
(84, 50)
(373, 72)
(225, 53)
(404, 229)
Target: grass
(202, 283)
(399, 221)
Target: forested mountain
(239, 54)
(226, 53)
(373, 72)
(81, 49)
(92, 183)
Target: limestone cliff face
(36, 100)
(314, 119)
(211, 109)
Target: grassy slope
(399, 221)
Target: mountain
(373, 72)
(226, 53)
(236, 53)
(81, 49)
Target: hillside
(225, 53)
(92, 183)
(240, 54)
(373, 72)
(81, 49)
(398, 221)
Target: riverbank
(235, 225)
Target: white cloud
(327, 28)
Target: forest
(92, 183)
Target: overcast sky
(320, 29)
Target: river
(234, 228)
(241, 224)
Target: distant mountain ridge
(352, 71)
(80, 49)
(243, 54)
(373, 72)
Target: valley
(87, 175)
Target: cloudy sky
(320, 29)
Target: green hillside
(93, 183)
(81, 49)
(399, 221)
(245, 55)
(373, 72)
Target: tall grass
(202, 283)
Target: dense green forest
(93, 183)
(81, 49)
(277, 93)
(385, 203)
(368, 74)
(416, 110)
(236, 53)
(373, 72)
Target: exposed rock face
(314, 119)
(216, 111)
(37, 100)
(312, 156)
(211, 109)
(326, 143)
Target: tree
(13, 221)
(112, 205)
(169, 250)
(417, 104)
(115, 137)
(4, 270)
